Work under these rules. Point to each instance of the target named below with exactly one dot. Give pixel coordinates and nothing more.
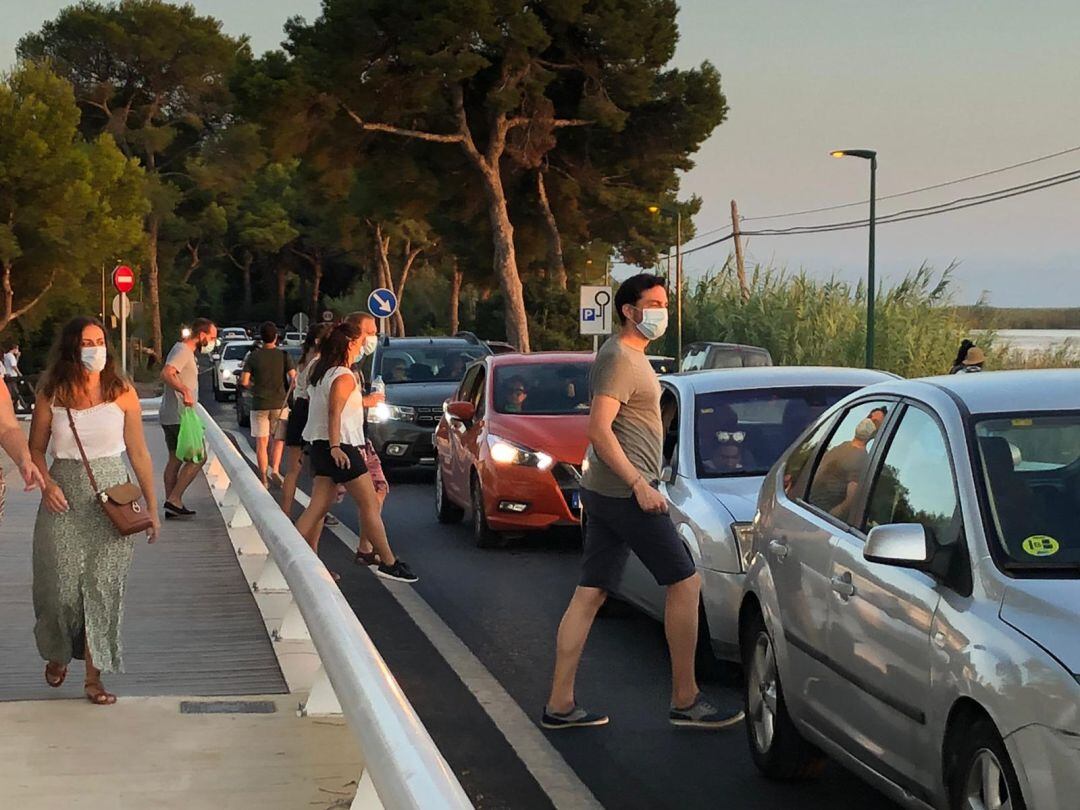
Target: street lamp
(871, 155)
(676, 214)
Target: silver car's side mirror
(905, 545)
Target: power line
(919, 190)
(911, 213)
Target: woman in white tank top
(335, 429)
(81, 562)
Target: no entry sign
(123, 279)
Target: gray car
(724, 430)
(913, 602)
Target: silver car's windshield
(1030, 465)
(744, 432)
(236, 351)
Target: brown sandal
(55, 675)
(96, 694)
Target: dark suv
(708, 354)
(420, 374)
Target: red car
(510, 444)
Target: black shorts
(322, 463)
(616, 526)
(172, 435)
(294, 428)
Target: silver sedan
(913, 601)
(724, 429)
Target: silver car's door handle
(779, 549)
(843, 586)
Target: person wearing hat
(972, 362)
(837, 482)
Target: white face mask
(93, 358)
(207, 348)
(654, 321)
(371, 342)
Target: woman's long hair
(311, 343)
(334, 350)
(66, 376)
(961, 353)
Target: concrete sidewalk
(192, 633)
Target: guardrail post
(248, 541)
(322, 701)
(293, 627)
(366, 798)
(240, 518)
(270, 579)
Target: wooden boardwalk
(191, 625)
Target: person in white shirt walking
(11, 360)
(335, 429)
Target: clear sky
(941, 88)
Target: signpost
(327, 316)
(123, 279)
(594, 316)
(382, 303)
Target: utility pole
(740, 267)
(678, 291)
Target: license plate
(575, 500)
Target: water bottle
(378, 386)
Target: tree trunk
(282, 283)
(9, 296)
(245, 268)
(502, 230)
(455, 300)
(316, 285)
(555, 264)
(154, 287)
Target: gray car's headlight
(744, 539)
(384, 412)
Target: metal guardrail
(406, 768)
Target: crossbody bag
(122, 503)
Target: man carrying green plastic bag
(190, 443)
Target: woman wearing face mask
(335, 428)
(80, 560)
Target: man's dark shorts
(616, 526)
(172, 434)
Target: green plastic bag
(190, 444)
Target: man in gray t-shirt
(626, 512)
(181, 377)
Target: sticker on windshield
(1021, 423)
(1040, 545)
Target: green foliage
(803, 321)
(66, 206)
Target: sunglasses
(736, 436)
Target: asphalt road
(505, 606)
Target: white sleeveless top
(101, 429)
(300, 391)
(352, 415)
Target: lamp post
(871, 155)
(676, 214)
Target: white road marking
(547, 766)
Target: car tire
(483, 536)
(980, 763)
(445, 510)
(219, 395)
(776, 746)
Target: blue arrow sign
(382, 303)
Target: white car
(293, 339)
(231, 333)
(227, 368)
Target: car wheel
(982, 774)
(219, 395)
(483, 536)
(445, 510)
(777, 748)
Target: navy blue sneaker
(702, 714)
(575, 718)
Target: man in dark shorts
(181, 377)
(627, 513)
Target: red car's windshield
(542, 389)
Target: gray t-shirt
(840, 466)
(626, 375)
(183, 360)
